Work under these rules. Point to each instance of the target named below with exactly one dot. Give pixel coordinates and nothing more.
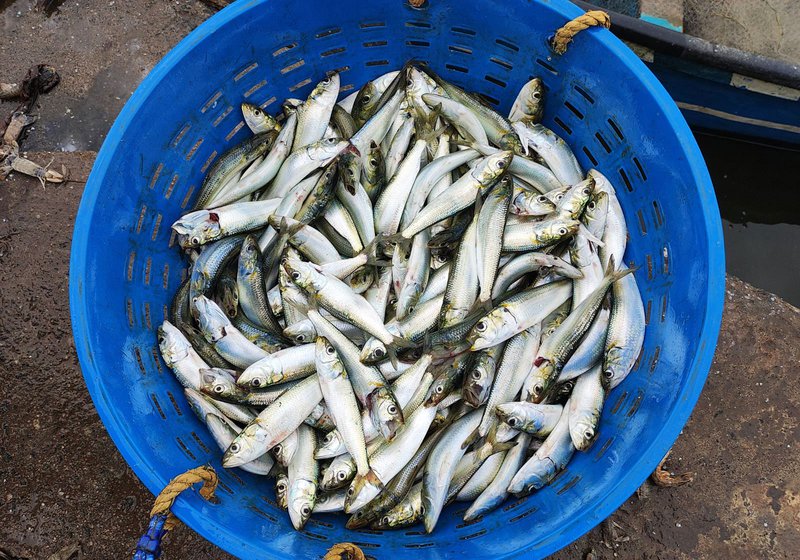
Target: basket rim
(189, 508)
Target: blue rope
(149, 545)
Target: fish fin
(472, 438)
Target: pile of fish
(402, 299)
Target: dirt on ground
(64, 483)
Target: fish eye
(341, 475)
(537, 95)
(257, 112)
(591, 205)
(537, 389)
(350, 490)
(278, 449)
(379, 352)
(195, 240)
(501, 164)
(587, 190)
(608, 374)
(234, 448)
(393, 301)
(588, 434)
(295, 275)
(162, 340)
(306, 510)
(439, 389)
(300, 338)
(385, 520)
(411, 309)
(366, 98)
(218, 389)
(512, 422)
(562, 231)
(541, 198)
(256, 382)
(330, 350)
(392, 409)
(476, 374)
(327, 80)
(481, 326)
(373, 162)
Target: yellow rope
(564, 35)
(416, 3)
(344, 551)
(171, 491)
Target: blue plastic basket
(600, 97)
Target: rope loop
(344, 551)
(565, 34)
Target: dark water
(758, 190)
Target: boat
(719, 87)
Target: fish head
(442, 386)
(301, 273)
(557, 229)
(284, 450)
(493, 167)
(257, 119)
(337, 475)
(510, 141)
(244, 448)
(331, 443)
(173, 344)
(210, 317)
(249, 256)
(302, 332)
(327, 88)
(349, 165)
(361, 279)
(290, 106)
(198, 228)
(541, 380)
(366, 99)
(263, 373)
(362, 491)
(228, 296)
(374, 163)
(489, 330)
(594, 216)
(476, 389)
(576, 198)
(531, 203)
(407, 301)
(582, 432)
(373, 351)
(220, 384)
(613, 368)
(282, 490)
(326, 355)
(512, 414)
(534, 99)
(301, 497)
(385, 412)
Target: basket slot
(139, 222)
(129, 312)
(642, 224)
(181, 133)
(184, 202)
(200, 443)
(456, 68)
(370, 532)
(514, 505)
(225, 112)
(131, 259)
(665, 261)
(284, 49)
(563, 125)
(224, 487)
(636, 404)
(292, 66)
(375, 63)
(659, 216)
(625, 179)
(603, 449)
(417, 43)
(654, 359)
(328, 32)
(234, 130)
(137, 353)
(156, 226)
(261, 513)
(268, 102)
(603, 142)
(194, 148)
(460, 49)
(418, 24)
(212, 101)
(590, 156)
(245, 71)
(510, 45)
(365, 544)
(372, 44)
(575, 111)
(171, 187)
(148, 323)
(647, 310)
(468, 523)
(160, 411)
(173, 401)
(156, 174)
(615, 127)
(585, 94)
(165, 314)
(314, 536)
(464, 31)
(618, 404)
(496, 81)
(572, 482)
(300, 84)
(339, 70)
(523, 515)
(664, 307)
(419, 545)
(165, 277)
(348, 87)
(331, 52)
(638, 165)
(235, 477)
(501, 63)
(547, 66)
(319, 523)
(649, 264)
(254, 89)
(157, 361)
(372, 24)
(473, 535)
(270, 501)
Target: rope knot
(565, 34)
(344, 551)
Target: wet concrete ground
(62, 480)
